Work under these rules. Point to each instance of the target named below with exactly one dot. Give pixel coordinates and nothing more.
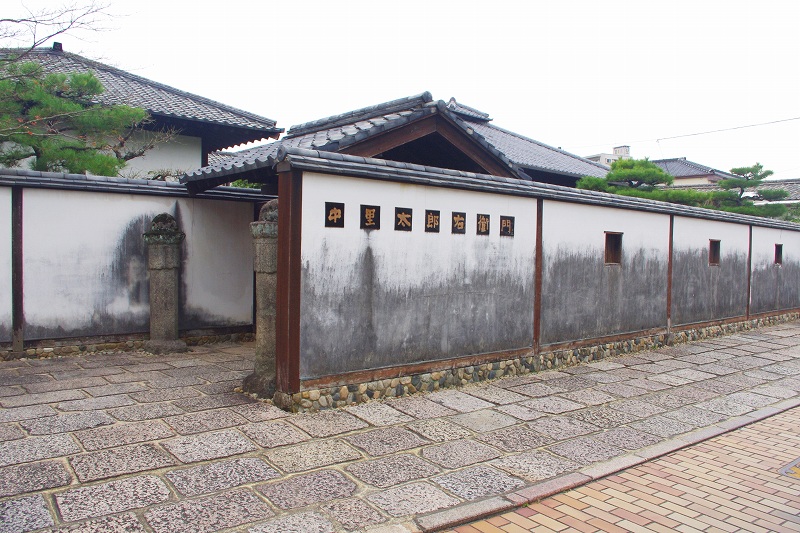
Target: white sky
(581, 75)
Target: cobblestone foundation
(340, 396)
(46, 349)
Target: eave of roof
(31, 179)
(337, 132)
(680, 167)
(341, 164)
(161, 101)
(792, 186)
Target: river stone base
(356, 393)
(162, 347)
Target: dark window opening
(713, 252)
(613, 248)
(778, 254)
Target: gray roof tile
(679, 167)
(792, 186)
(125, 88)
(335, 132)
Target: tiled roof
(334, 133)
(125, 88)
(792, 186)
(349, 165)
(679, 167)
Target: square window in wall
(778, 254)
(713, 252)
(613, 248)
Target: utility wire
(728, 129)
(694, 134)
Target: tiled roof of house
(125, 88)
(334, 133)
(792, 186)
(679, 167)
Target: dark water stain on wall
(703, 292)
(126, 281)
(774, 287)
(582, 297)
(373, 326)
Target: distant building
(620, 152)
(690, 173)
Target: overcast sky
(582, 75)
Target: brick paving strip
(140, 443)
(739, 481)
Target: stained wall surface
(85, 263)
(702, 291)
(5, 265)
(582, 296)
(774, 286)
(380, 297)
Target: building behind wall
(620, 152)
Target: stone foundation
(49, 348)
(340, 396)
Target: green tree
(637, 178)
(637, 173)
(53, 122)
(751, 177)
(627, 173)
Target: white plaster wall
(702, 292)
(433, 279)
(5, 264)
(72, 247)
(218, 276)
(582, 297)
(85, 270)
(695, 233)
(180, 154)
(764, 241)
(583, 227)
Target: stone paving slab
(123, 434)
(67, 423)
(124, 523)
(392, 470)
(212, 513)
(36, 448)
(24, 514)
(208, 446)
(119, 461)
(214, 477)
(398, 465)
(112, 497)
(304, 489)
(30, 477)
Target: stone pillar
(163, 264)
(265, 240)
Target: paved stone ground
(745, 480)
(132, 442)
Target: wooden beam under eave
(386, 141)
(472, 149)
(393, 138)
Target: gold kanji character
(483, 223)
(334, 214)
(369, 217)
(404, 219)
